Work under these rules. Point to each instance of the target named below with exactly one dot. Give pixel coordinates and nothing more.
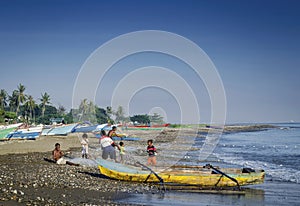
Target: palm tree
(83, 109)
(92, 112)
(13, 101)
(109, 112)
(61, 110)
(3, 98)
(30, 105)
(45, 100)
(120, 114)
(21, 96)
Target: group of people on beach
(108, 149)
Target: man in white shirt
(108, 146)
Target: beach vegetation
(102, 116)
(45, 100)
(140, 118)
(120, 114)
(21, 97)
(3, 99)
(22, 107)
(13, 101)
(156, 119)
(30, 106)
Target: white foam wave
(277, 172)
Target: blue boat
(23, 135)
(30, 133)
(121, 138)
(86, 129)
(60, 130)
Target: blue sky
(255, 46)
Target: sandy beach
(27, 179)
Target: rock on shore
(26, 179)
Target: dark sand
(27, 179)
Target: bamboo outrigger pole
(222, 173)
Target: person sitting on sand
(108, 146)
(112, 132)
(85, 146)
(58, 156)
(151, 152)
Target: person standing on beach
(108, 146)
(85, 146)
(122, 152)
(58, 156)
(152, 153)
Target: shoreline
(46, 143)
(27, 179)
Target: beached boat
(192, 176)
(59, 130)
(153, 125)
(85, 129)
(5, 130)
(26, 133)
(126, 138)
(123, 138)
(145, 127)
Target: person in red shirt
(152, 153)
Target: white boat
(26, 133)
(59, 130)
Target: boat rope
(208, 166)
(155, 174)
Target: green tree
(109, 112)
(141, 118)
(50, 112)
(30, 106)
(85, 112)
(83, 109)
(3, 99)
(45, 100)
(61, 110)
(92, 112)
(156, 118)
(2, 113)
(11, 116)
(120, 115)
(13, 101)
(69, 117)
(102, 116)
(21, 96)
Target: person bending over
(108, 146)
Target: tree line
(21, 107)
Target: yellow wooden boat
(208, 176)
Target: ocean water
(276, 150)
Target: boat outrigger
(204, 177)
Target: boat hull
(202, 178)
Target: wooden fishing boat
(59, 130)
(30, 133)
(208, 176)
(5, 130)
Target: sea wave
(274, 172)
